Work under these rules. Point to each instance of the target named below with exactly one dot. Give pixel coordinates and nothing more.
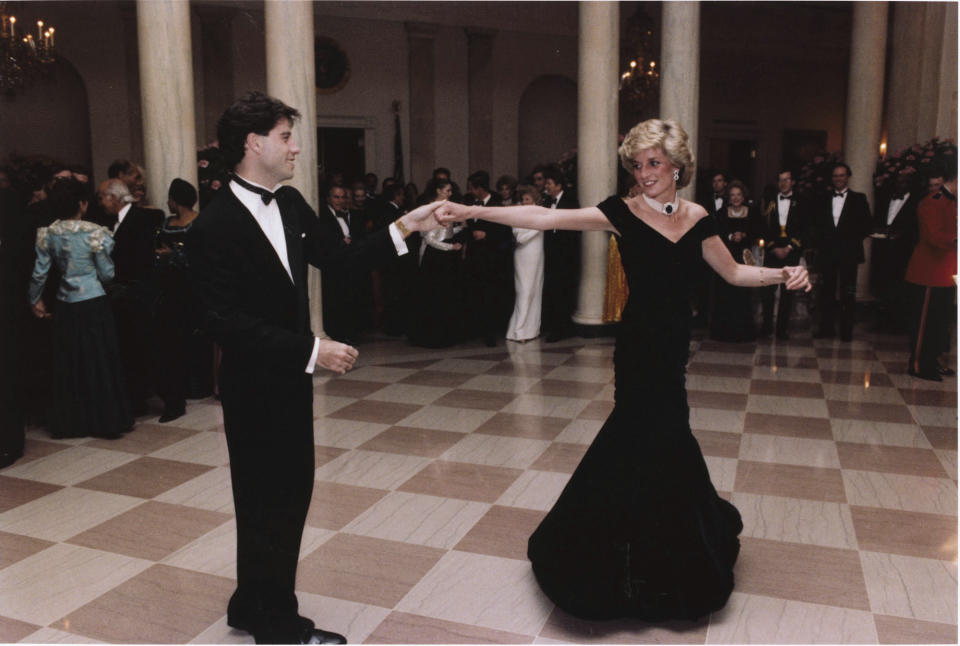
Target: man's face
(785, 182)
(359, 197)
(337, 198)
(538, 181)
(278, 151)
(719, 184)
(934, 184)
(552, 188)
(840, 178)
(476, 191)
(108, 201)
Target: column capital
(421, 29)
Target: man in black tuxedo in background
(340, 285)
(841, 222)
(561, 263)
(785, 223)
(248, 253)
(397, 279)
(895, 234)
(132, 293)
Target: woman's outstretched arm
(718, 257)
(528, 216)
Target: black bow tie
(785, 197)
(897, 196)
(265, 195)
(549, 201)
(839, 194)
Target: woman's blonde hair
(667, 135)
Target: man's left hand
(422, 218)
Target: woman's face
(506, 194)
(526, 198)
(736, 197)
(654, 173)
(444, 193)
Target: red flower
(215, 184)
(203, 163)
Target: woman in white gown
(528, 276)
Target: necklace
(668, 208)
(738, 214)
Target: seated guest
(89, 390)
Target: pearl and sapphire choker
(668, 208)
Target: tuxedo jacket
(842, 243)
(904, 227)
(251, 306)
(492, 257)
(135, 239)
(792, 234)
(711, 207)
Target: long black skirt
(90, 396)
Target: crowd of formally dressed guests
(98, 312)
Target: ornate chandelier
(640, 80)
(23, 58)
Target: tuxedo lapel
(263, 252)
(291, 232)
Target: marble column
(480, 75)
(421, 43)
(861, 132)
(597, 111)
(166, 90)
(680, 72)
(290, 78)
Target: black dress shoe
(946, 372)
(317, 636)
(170, 415)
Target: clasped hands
(797, 278)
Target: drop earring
(676, 175)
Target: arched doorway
(50, 117)
(548, 121)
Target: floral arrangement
(815, 178)
(212, 172)
(912, 162)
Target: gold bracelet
(402, 228)
(762, 284)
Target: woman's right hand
(450, 212)
(40, 310)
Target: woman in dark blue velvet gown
(639, 531)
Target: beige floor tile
(76, 464)
(582, 373)
(334, 505)
(723, 472)
(812, 483)
(897, 630)
(200, 417)
(418, 519)
(561, 388)
(14, 547)
(406, 628)
(376, 412)
(548, 406)
(708, 419)
(795, 406)
(715, 443)
(145, 477)
(534, 427)
(726, 358)
(901, 492)
(869, 411)
(479, 482)
(534, 490)
(795, 520)
(753, 619)
(720, 370)
(150, 531)
(480, 590)
(865, 354)
(786, 361)
(17, 491)
(890, 459)
(503, 531)
(580, 431)
(496, 450)
(861, 378)
(50, 584)
(872, 395)
(220, 633)
(949, 461)
(445, 418)
(789, 450)
(597, 410)
(65, 513)
(381, 374)
(437, 378)
(324, 405)
(144, 439)
(371, 469)
(214, 552)
(909, 533)
(911, 587)
(850, 365)
(211, 491)
(716, 400)
(53, 636)
(934, 416)
(560, 457)
(767, 373)
(365, 570)
(941, 437)
(564, 628)
(887, 433)
(810, 573)
(520, 369)
(352, 388)
(176, 604)
(34, 449)
(500, 383)
(464, 366)
(344, 433)
(12, 630)
(408, 394)
(787, 425)
(718, 384)
(785, 388)
(355, 621)
(427, 443)
(919, 397)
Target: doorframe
(369, 127)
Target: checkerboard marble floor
(433, 467)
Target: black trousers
(832, 276)
(930, 326)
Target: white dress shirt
(783, 207)
(894, 209)
(838, 201)
(122, 214)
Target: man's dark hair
(539, 168)
(842, 165)
(64, 196)
(554, 173)
(793, 175)
(714, 174)
(183, 193)
(257, 113)
(393, 190)
(441, 170)
(480, 179)
(119, 166)
(334, 185)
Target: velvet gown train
(639, 531)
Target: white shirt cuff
(397, 238)
(313, 356)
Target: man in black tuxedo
(895, 227)
(488, 266)
(785, 223)
(841, 222)
(561, 263)
(340, 286)
(248, 253)
(398, 279)
(132, 293)
(717, 199)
